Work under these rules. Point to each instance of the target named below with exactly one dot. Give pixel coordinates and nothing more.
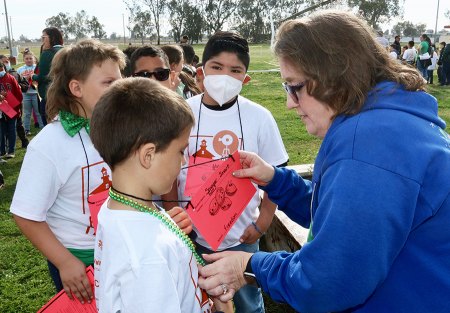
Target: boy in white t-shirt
(226, 122)
(410, 54)
(143, 261)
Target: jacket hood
(393, 96)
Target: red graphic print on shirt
(91, 175)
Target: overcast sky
(28, 17)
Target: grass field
(24, 283)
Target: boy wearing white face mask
(226, 122)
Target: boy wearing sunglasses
(151, 62)
(226, 122)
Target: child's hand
(226, 307)
(181, 218)
(74, 279)
(250, 235)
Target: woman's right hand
(75, 281)
(255, 168)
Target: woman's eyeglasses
(293, 90)
(160, 75)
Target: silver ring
(224, 288)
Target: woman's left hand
(225, 276)
(181, 218)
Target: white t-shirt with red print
(53, 184)
(219, 134)
(141, 266)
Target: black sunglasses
(160, 75)
(293, 90)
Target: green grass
(24, 282)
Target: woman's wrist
(249, 276)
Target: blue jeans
(439, 72)
(42, 111)
(422, 70)
(430, 76)
(31, 103)
(249, 298)
(8, 134)
(54, 274)
(446, 73)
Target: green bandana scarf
(72, 123)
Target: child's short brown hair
(174, 53)
(76, 62)
(135, 111)
(147, 51)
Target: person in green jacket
(52, 42)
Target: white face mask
(222, 88)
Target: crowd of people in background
(68, 86)
(33, 80)
(187, 77)
(426, 57)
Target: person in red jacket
(8, 84)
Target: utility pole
(123, 23)
(435, 27)
(7, 26)
(10, 26)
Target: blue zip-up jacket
(380, 209)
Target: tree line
(195, 18)
(79, 26)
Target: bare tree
(155, 7)
(79, 25)
(96, 28)
(143, 26)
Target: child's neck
(132, 190)
(118, 205)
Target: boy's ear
(247, 79)
(147, 154)
(199, 71)
(172, 77)
(75, 88)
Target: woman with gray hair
(378, 205)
